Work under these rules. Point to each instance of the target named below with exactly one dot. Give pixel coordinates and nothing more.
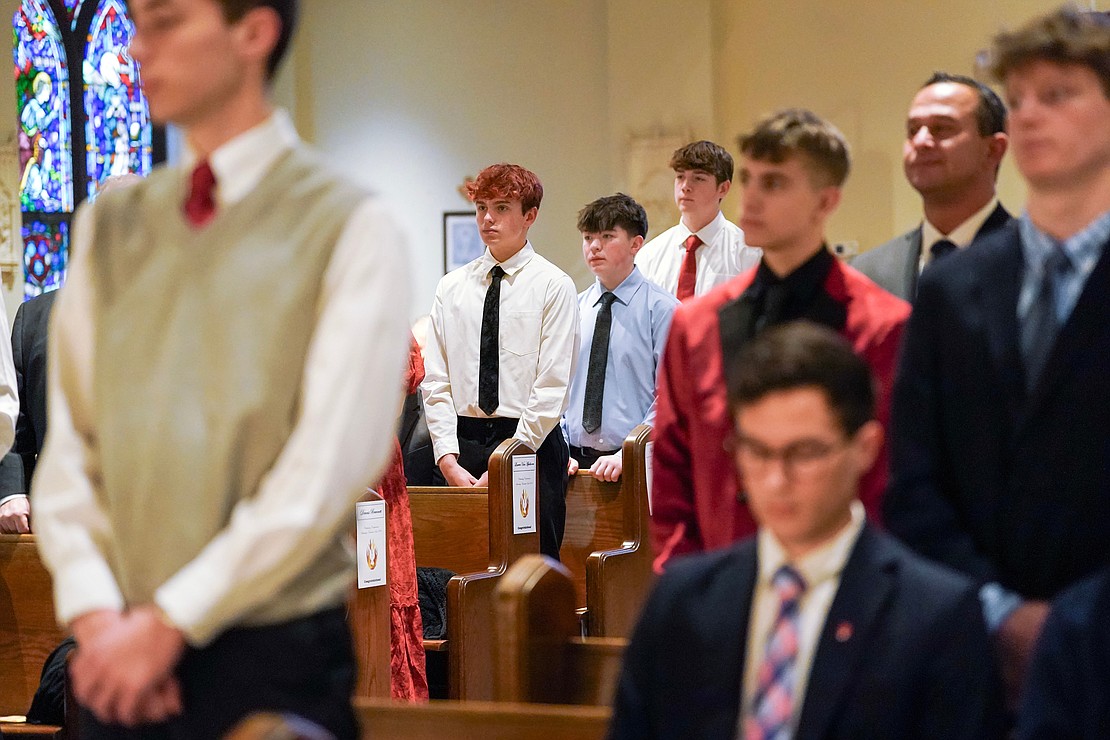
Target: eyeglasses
(801, 459)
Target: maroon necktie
(200, 206)
(688, 275)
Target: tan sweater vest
(200, 338)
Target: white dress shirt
(350, 395)
(722, 255)
(821, 571)
(538, 340)
(9, 398)
(961, 236)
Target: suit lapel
(866, 587)
(1077, 335)
(999, 217)
(910, 261)
(724, 669)
(735, 320)
(996, 290)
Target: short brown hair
(802, 354)
(507, 182)
(706, 156)
(1066, 36)
(796, 130)
(234, 10)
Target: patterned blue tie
(1039, 330)
(773, 703)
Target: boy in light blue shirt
(624, 324)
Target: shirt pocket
(520, 332)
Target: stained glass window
(74, 133)
(45, 248)
(73, 7)
(42, 90)
(117, 131)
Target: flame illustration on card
(524, 502)
(372, 556)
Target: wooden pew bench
(612, 571)
(540, 657)
(474, 720)
(472, 535)
(28, 630)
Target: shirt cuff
(85, 586)
(10, 496)
(445, 447)
(998, 604)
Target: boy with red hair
(503, 345)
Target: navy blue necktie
(942, 248)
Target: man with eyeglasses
(821, 625)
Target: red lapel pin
(844, 632)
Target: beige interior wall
(442, 88)
(858, 64)
(411, 97)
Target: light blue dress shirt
(641, 319)
(1083, 249)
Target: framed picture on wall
(461, 240)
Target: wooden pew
(619, 579)
(368, 615)
(474, 720)
(540, 657)
(28, 630)
(447, 529)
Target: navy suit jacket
(916, 663)
(999, 483)
(893, 266)
(1068, 690)
(29, 335)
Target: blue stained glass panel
(73, 7)
(45, 256)
(118, 132)
(42, 90)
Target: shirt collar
(963, 234)
(706, 233)
(512, 265)
(623, 292)
(1083, 248)
(805, 281)
(820, 565)
(240, 164)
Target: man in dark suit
(1068, 691)
(821, 626)
(955, 140)
(1001, 412)
(18, 465)
(794, 166)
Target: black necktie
(599, 357)
(1038, 331)
(774, 299)
(942, 248)
(490, 346)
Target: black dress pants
(305, 667)
(478, 438)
